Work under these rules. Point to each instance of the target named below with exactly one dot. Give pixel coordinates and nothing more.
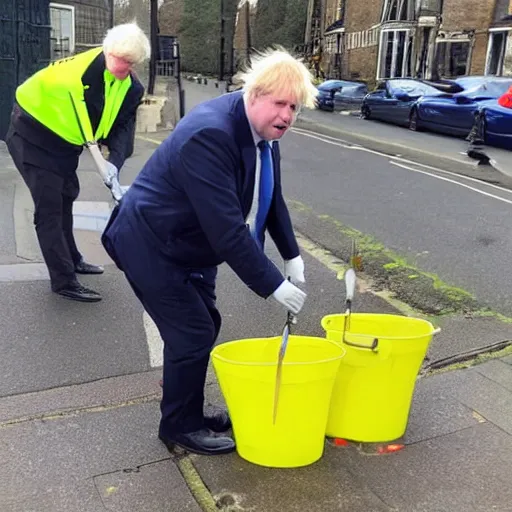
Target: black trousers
(181, 302)
(54, 187)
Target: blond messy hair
(127, 41)
(275, 71)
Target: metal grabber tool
(290, 319)
(350, 286)
(111, 182)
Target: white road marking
(396, 159)
(155, 343)
(398, 164)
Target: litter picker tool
(111, 182)
(290, 319)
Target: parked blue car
(338, 94)
(394, 99)
(454, 114)
(492, 125)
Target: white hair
(276, 71)
(127, 41)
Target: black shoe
(203, 442)
(76, 291)
(88, 268)
(218, 421)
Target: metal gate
(24, 48)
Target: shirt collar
(256, 138)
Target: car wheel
(413, 121)
(365, 112)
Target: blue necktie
(265, 192)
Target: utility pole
(248, 29)
(222, 41)
(111, 13)
(153, 13)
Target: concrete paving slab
(507, 359)
(498, 372)
(467, 470)
(49, 341)
(482, 395)
(79, 496)
(69, 399)
(75, 448)
(320, 487)
(23, 272)
(434, 414)
(157, 487)
(460, 334)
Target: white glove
(112, 181)
(112, 173)
(294, 269)
(291, 297)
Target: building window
(398, 10)
(62, 20)
(452, 59)
(395, 54)
(496, 53)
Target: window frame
(408, 46)
(507, 32)
(70, 8)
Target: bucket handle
(372, 347)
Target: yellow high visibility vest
(55, 97)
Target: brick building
(499, 48)
(411, 38)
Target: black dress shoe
(203, 442)
(88, 268)
(218, 421)
(75, 291)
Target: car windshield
(486, 87)
(412, 88)
(335, 84)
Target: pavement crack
(69, 413)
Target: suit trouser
(53, 194)
(181, 302)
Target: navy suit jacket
(190, 201)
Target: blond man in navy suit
(207, 196)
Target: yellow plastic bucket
(372, 395)
(246, 371)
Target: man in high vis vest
(83, 99)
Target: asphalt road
(443, 223)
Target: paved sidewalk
(93, 448)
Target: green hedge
(280, 22)
(199, 35)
